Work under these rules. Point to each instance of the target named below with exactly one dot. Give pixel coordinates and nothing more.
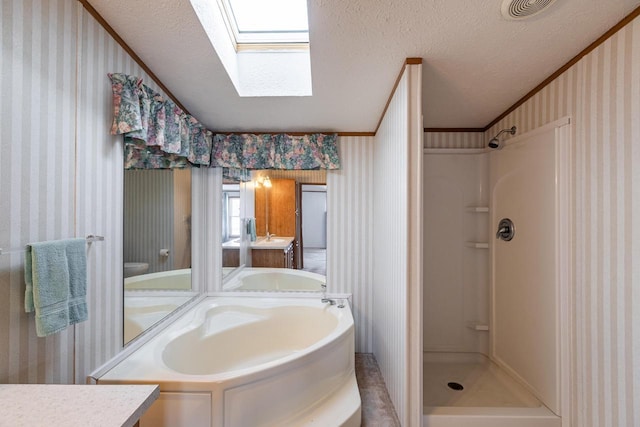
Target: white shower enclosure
(497, 310)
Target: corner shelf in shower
(477, 245)
(478, 209)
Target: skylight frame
(261, 40)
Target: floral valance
(160, 135)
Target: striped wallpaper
(601, 93)
(305, 177)
(350, 231)
(99, 190)
(37, 149)
(148, 208)
(397, 247)
(61, 177)
(389, 259)
(454, 140)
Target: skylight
(264, 50)
(257, 22)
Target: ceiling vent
(521, 9)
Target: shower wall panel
(528, 283)
(456, 293)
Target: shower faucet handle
(506, 230)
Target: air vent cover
(521, 9)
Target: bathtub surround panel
(602, 94)
(349, 232)
(397, 253)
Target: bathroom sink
(275, 242)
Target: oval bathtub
(276, 279)
(245, 361)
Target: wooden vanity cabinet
(273, 258)
(284, 206)
(230, 257)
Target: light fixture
(267, 182)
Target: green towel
(56, 279)
(252, 229)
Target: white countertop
(74, 405)
(261, 243)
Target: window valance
(160, 135)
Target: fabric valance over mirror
(160, 135)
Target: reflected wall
(274, 220)
(156, 246)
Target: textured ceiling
(476, 64)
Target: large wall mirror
(274, 226)
(157, 246)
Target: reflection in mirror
(231, 226)
(282, 243)
(157, 246)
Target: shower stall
(495, 283)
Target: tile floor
(377, 409)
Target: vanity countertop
(74, 405)
(261, 243)
(273, 243)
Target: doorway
(314, 228)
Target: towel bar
(90, 239)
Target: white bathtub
(276, 279)
(246, 361)
(172, 279)
(144, 309)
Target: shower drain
(455, 386)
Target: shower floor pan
(468, 390)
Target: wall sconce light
(267, 182)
